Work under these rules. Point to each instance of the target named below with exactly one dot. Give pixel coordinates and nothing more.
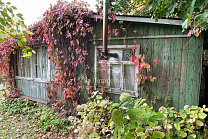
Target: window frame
(34, 66)
(122, 64)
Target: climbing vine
(66, 29)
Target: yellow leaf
(29, 32)
(177, 126)
(193, 135)
(202, 115)
(206, 109)
(169, 126)
(33, 51)
(199, 123)
(24, 54)
(182, 134)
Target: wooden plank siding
(178, 71)
(179, 59)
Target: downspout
(105, 27)
(105, 33)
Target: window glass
(115, 73)
(102, 72)
(119, 52)
(129, 77)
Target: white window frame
(122, 63)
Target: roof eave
(176, 22)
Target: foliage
(94, 117)
(102, 118)
(19, 126)
(141, 64)
(141, 121)
(51, 121)
(65, 28)
(193, 12)
(13, 33)
(48, 120)
(11, 24)
(17, 106)
(135, 119)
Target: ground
(20, 126)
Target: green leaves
(19, 43)
(185, 24)
(117, 117)
(13, 7)
(93, 134)
(158, 134)
(136, 114)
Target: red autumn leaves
(139, 62)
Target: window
(116, 75)
(36, 68)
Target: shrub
(135, 119)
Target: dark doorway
(203, 98)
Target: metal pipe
(105, 27)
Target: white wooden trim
(122, 76)
(137, 51)
(122, 63)
(95, 69)
(109, 77)
(32, 79)
(31, 66)
(117, 47)
(41, 60)
(49, 70)
(177, 22)
(21, 63)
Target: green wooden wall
(179, 59)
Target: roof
(141, 19)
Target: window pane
(38, 59)
(115, 76)
(127, 54)
(129, 77)
(44, 62)
(23, 66)
(102, 80)
(119, 52)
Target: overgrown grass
(21, 118)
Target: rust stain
(177, 83)
(183, 66)
(165, 80)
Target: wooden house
(178, 72)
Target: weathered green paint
(178, 71)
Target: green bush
(52, 121)
(135, 119)
(18, 106)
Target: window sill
(131, 93)
(33, 79)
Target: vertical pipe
(105, 27)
